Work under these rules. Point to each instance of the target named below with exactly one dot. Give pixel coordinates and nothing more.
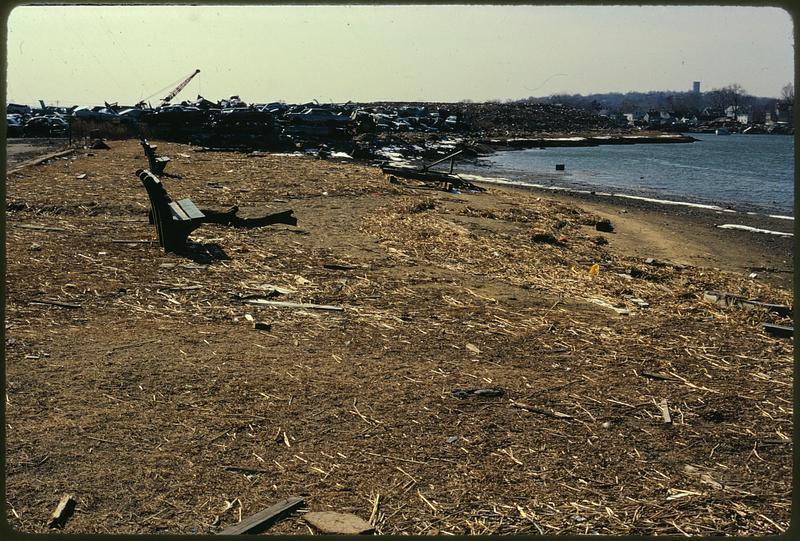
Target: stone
(330, 522)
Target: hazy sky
(84, 55)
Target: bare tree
(732, 95)
(787, 93)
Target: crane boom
(178, 88)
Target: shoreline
(727, 209)
(686, 234)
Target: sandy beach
(488, 363)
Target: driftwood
(282, 304)
(230, 218)
(55, 303)
(42, 159)
(39, 227)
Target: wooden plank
(282, 304)
(730, 299)
(779, 331)
(190, 209)
(179, 213)
(657, 375)
(39, 227)
(664, 407)
(62, 512)
(264, 519)
(55, 303)
(40, 159)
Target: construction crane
(175, 91)
(178, 88)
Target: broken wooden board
(704, 477)
(665, 414)
(264, 519)
(609, 306)
(339, 266)
(41, 159)
(779, 331)
(330, 522)
(729, 299)
(39, 227)
(282, 304)
(62, 512)
(55, 303)
(657, 375)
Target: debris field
(431, 362)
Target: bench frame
(157, 164)
(174, 220)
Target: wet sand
(688, 235)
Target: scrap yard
(420, 361)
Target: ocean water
(748, 173)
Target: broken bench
(157, 163)
(174, 220)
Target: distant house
(744, 118)
(731, 111)
(785, 112)
(656, 118)
(635, 118)
(711, 113)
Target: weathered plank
(64, 510)
(283, 304)
(40, 159)
(264, 519)
(665, 414)
(39, 227)
(779, 331)
(55, 303)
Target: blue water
(743, 172)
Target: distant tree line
(686, 102)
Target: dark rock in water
(604, 225)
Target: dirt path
(19, 149)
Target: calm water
(745, 172)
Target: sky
(84, 55)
